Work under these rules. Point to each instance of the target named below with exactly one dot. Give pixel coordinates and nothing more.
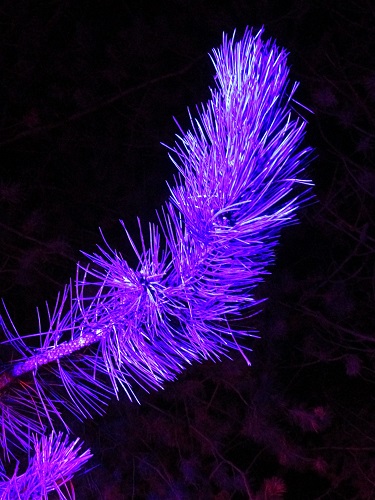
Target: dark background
(88, 91)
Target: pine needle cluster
(240, 180)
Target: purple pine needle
(53, 465)
(239, 182)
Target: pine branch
(53, 465)
(239, 182)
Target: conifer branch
(240, 180)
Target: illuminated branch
(240, 180)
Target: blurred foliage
(88, 91)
